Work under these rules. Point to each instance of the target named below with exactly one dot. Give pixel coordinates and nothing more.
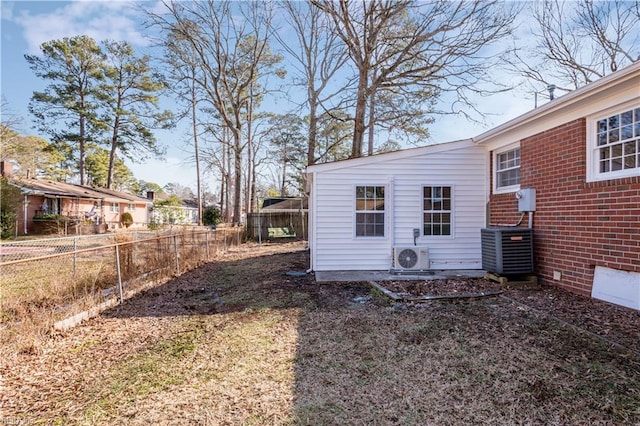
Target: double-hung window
(370, 211)
(115, 208)
(615, 144)
(507, 170)
(436, 210)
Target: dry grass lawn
(239, 342)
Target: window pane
(614, 136)
(370, 224)
(630, 150)
(614, 122)
(602, 126)
(508, 168)
(626, 118)
(602, 138)
(627, 132)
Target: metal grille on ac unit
(507, 250)
(410, 258)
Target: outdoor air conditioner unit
(410, 258)
(507, 250)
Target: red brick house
(77, 204)
(581, 154)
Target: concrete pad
(353, 276)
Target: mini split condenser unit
(507, 251)
(410, 258)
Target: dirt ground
(239, 341)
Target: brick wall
(577, 225)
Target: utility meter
(526, 200)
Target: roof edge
(390, 156)
(562, 102)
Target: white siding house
(360, 209)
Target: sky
(27, 24)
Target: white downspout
(311, 217)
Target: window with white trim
(507, 170)
(370, 211)
(616, 145)
(132, 207)
(436, 210)
(115, 208)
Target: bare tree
(579, 42)
(407, 47)
(320, 54)
(183, 73)
(230, 43)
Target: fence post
(75, 255)
(175, 250)
(119, 274)
(207, 238)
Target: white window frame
(511, 188)
(114, 208)
(131, 207)
(593, 149)
(356, 211)
(450, 211)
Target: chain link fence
(45, 281)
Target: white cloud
(99, 20)
(6, 10)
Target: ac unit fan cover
(408, 258)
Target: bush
(211, 216)
(126, 219)
(9, 205)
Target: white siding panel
(463, 168)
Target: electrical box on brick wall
(526, 200)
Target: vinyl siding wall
(334, 245)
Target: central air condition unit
(410, 258)
(507, 250)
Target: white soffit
(617, 88)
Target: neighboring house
(163, 213)
(77, 203)
(120, 202)
(579, 152)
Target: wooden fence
(270, 226)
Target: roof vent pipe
(551, 89)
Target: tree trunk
(114, 144)
(81, 161)
(313, 131)
(372, 114)
(237, 188)
(358, 125)
(194, 125)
